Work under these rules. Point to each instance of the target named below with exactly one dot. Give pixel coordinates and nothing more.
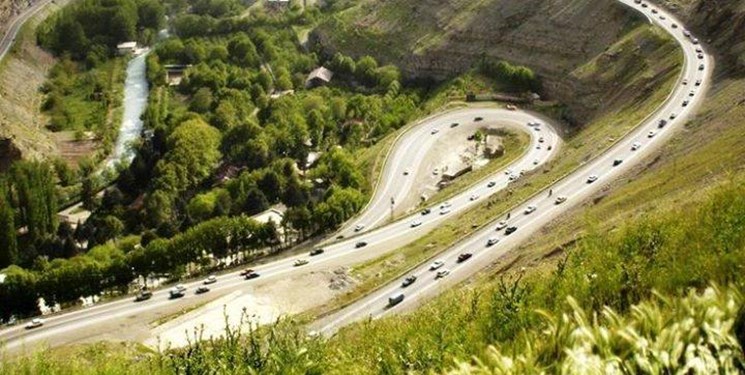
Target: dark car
(315, 252)
(143, 295)
(408, 281)
(426, 211)
(617, 162)
(662, 123)
(251, 275)
(360, 244)
(464, 257)
(453, 125)
(246, 272)
(491, 184)
(510, 230)
(478, 119)
(202, 289)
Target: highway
(408, 154)
(575, 188)
(81, 324)
(15, 26)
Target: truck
(395, 299)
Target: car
(202, 289)
(436, 171)
(530, 209)
(360, 244)
(464, 257)
(434, 131)
(662, 17)
(11, 321)
(471, 137)
(211, 279)
(654, 11)
(143, 295)
(701, 67)
(501, 225)
(514, 177)
(252, 275)
(477, 119)
(699, 50)
(180, 287)
(560, 199)
(694, 41)
(674, 25)
(673, 116)
(661, 124)
(34, 323)
(406, 173)
(176, 292)
(510, 230)
(686, 33)
(692, 93)
(492, 241)
(540, 139)
(436, 264)
(491, 184)
(300, 262)
(638, 1)
(426, 211)
(442, 273)
(684, 82)
(592, 179)
(508, 172)
(474, 197)
(685, 103)
(538, 147)
(651, 134)
(617, 162)
(635, 146)
(416, 223)
(246, 271)
(454, 125)
(700, 56)
(316, 251)
(408, 281)
(395, 299)
(698, 82)
(536, 161)
(445, 211)
(446, 204)
(511, 107)
(359, 227)
(644, 5)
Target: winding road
(408, 153)
(6, 42)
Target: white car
(492, 241)
(530, 209)
(359, 227)
(514, 177)
(560, 199)
(36, 322)
(300, 262)
(445, 210)
(592, 179)
(474, 197)
(501, 225)
(636, 146)
(446, 204)
(434, 131)
(436, 171)
(651, 134)
(436, 264)
(180, 287)
(416, 223)
(211, 279)
(443, 273)
(508, 172)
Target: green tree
(8, 231)
(193, 152)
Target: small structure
(318, 77)
(174, 73)
(126, 48)
(274, 214)
(455, 170)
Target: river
(135, 102)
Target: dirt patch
(71, 149)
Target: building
(318, 77)
(126, 48)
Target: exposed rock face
(8, 153)
(441, 38)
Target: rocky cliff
(441, 38)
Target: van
(395, 299)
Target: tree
(193, 152)
(202, 100)
(270, 185)
(255, 202)
(8, 232)
(151, 14)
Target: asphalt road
(575, 188)
(100, 320)
(10, 35)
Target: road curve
(574, 188)
(97, 321)
(6, 42)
